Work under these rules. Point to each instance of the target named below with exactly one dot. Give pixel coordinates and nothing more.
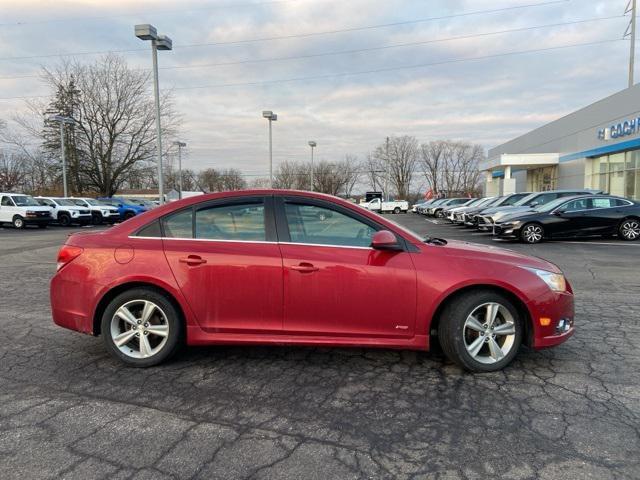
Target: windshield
(95, 203)
(487, 201)
(547, 207)
(65, 202)
(76, 201)
(526, 200)
(474, 201)
(24, 201)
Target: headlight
(555, 281)
(511, 224)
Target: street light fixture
(313, 145)
(158, 42)
(180, 145)
(272, 117)
(69, 121)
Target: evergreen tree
(65, 103)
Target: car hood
(503, 212)
(522, 216)
(461, 249)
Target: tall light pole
(272, 117)
(62, 120)
(158, 42)
(631, 33)
(180, 145)
(313, 145)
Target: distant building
(595, 147)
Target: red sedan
(298, 268)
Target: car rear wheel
(532, 233)
(629, 229)
(396, 210)
(481, 331)
(18, 222)
(141, 327)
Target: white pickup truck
(396, 206)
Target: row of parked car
(22, 210)
(532, 217)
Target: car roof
(141, 220)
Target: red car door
(334, 283)
(226, 260)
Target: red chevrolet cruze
(289, 267)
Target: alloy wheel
(489, 333)
(532, 233)
(139, 329)
(630, 230)
(18, 222)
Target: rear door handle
(193, 260)
(305, 267)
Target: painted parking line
(619, 244)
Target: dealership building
(595, 147)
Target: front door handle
(305, 267)
(193, 260)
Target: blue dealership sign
(622, 129)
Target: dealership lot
(69, 410)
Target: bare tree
(293, 175)
(352, 174)
(115, 119)
(13, 170)
(459, 172)
(432, 156)
(397, 157)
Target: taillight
(67, 253)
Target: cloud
(485, 101)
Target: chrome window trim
(249, 241)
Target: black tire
(64, 219)
(451, 331)
(18, 222)
(629, 229)
(438, 214)
(96, 219)
(532, 233)
(129, 215)
(396, 210)
(173, 317)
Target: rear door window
(239, 222)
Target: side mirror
(558, 212)
(119, 205)
(385, 240)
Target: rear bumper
(71, 302)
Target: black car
(577, 216)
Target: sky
(362, 69)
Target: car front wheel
(481, 331)
(18, 222)
(532, 233)
(141, 327)
(629, 229)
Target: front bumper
(505, 231)
(556, 307)
(37, 220)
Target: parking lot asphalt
(68, 410)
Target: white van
(22, 210)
